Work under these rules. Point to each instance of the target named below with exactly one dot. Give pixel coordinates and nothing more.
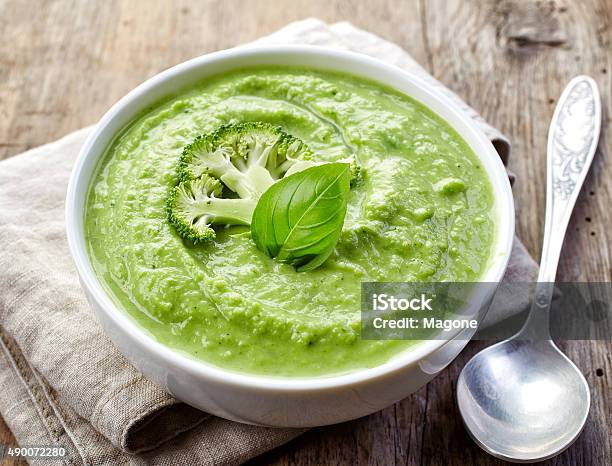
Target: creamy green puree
(423, 212)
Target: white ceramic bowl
(296, 402)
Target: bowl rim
(177, 358)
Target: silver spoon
(522, 399)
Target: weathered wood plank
(64, 62)
(6, 439)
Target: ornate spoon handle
(572, 140)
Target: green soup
(423, 212)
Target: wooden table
(63, 63)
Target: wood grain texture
(6, 439)
(63, 63)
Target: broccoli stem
(250, 184)
(223, 211)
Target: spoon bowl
(523, 400)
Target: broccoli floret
(195, 205)
(203, 156)
(293, 156)
(356, 171)
(246, 157)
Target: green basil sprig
(298, 220)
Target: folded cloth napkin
(61, 379)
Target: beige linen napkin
(61, 379)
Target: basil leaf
(298, 220)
